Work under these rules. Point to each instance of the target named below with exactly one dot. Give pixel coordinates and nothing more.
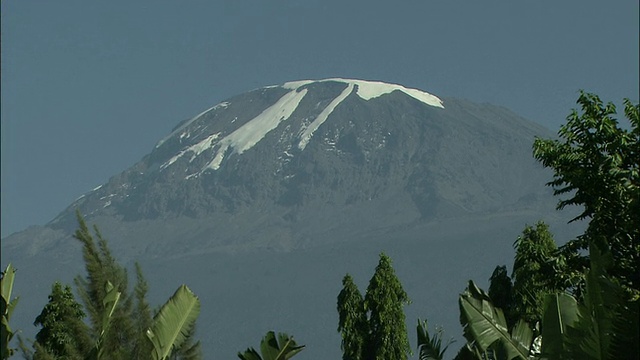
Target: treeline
(580, 300)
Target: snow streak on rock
(253, 131)
(372, 89)
(187, 123)
(249, 134)
(308, 132)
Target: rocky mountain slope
(262, 203)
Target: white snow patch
(195, 150)
(254, 130)
(308, 132)
(221, 105)
(373, 89)
(97, 188)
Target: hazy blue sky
(88, 87)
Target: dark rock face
(257, 193)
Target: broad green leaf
(484, 325)
(172, 324)
(6, 285)
(560, 311)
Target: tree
(374, 327)
(271, 348)
(530, 284)
(116, 328)
(596, 163)
(118, 339)
(63, 332)
(501, 293)
(384, 300)
(352, 325)
(142, 314)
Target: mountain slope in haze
(281, 165)
(300, 183)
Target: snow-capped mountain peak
(237, 140)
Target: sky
(89, 87)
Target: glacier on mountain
(249, 134)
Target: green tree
(353, 324)
(142, 314)
(118, 339)
(530, 283)
(596, 164)
(374, 327)
(62, 333)
(384, 301)
(501, 293)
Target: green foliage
(7, 305)
(596, 163)
(530, 284)
(430, 347)
(384, 300)
(486, 330)
(501, 293)
(282, 348)
(174, 322)
(62, 325)
(374, 327)
(605, 326)
(117, 329)
(353, 324)
(142, 314)
(117, 339)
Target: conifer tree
(384, 300)
(352, 325)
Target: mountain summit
(281, 165)
(264, 201)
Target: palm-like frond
(173, 323)
(430, 347)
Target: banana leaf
(485, 327)
(174, 322)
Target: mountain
(264, 201)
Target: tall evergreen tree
(530, 282)
(352, 325)
(384, 300)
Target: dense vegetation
(580, 300)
